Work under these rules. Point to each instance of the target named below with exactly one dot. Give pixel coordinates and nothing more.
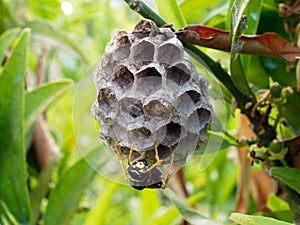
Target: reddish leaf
(267, 44)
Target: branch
(144, 10)
(264, 131)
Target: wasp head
(141, 177)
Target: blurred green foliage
(59, 43)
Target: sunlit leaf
(149, 195)
(39, 99)
(189, 214)
(45, 9)
(170, 11)
(289, 176)
(98, 214)
(171, 213)
(6, 39)
(255, 220)
(13, 176)
(65, 197)
(275, 203)
(202, 11)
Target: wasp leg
(158, 161)
(118, 152)
(130, 155)
(168, 175)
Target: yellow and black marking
(141, 177)
(141, 174)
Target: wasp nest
(149, 92)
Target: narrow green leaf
(252, 13)
(51, 35)
(41, 190)
(289, 176)
(171, 213)
(13, 190)
(6, 217)
(170, 11)
(98, 214)
(37, 100)
(6, 39)
(255, 220)
(238, 25)
(187, 212)
(65, 197)
(149, 195)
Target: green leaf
(13, 176)
(291, 110)
(238, 25)
(98, 214)
(252, 13)
(202, 11)
(255, 220)
(149, 195)
(65, 197)
(187, 212)
(274, 203)
(170, 11)
(41, 190)
(171, 213)
(6, 218)
(39, 99)
(52, 36)
(6, 39)
(289, 176)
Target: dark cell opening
(173, 133)
(204, 116)
(149, 72)
(106, 97)
(123, 78)
(173, 129)
(195, 96)
(135, 109)
(132, 106)
(178, 74)
(148, 81)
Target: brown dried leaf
(267, 44)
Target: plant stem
(264, 131)
(144, 10)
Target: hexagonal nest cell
(152, 96)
